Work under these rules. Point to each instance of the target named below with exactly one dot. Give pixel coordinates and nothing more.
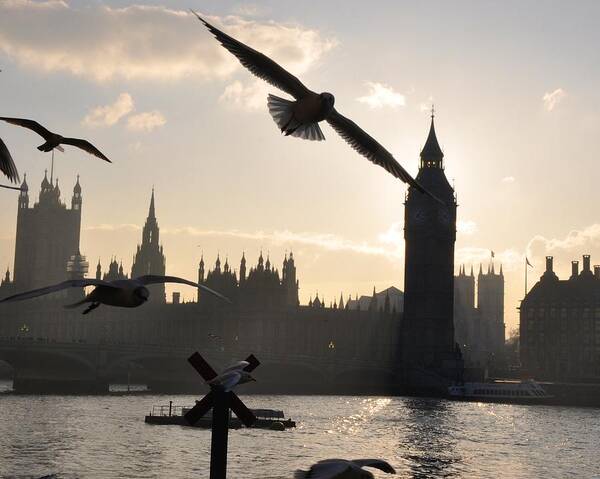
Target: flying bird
(124, 293)
(54, 140)
(343, 469)
(18, 188)
(300, 118)
(232, 376)
(7, 164)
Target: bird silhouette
(300, 118)
(54, 140)
(18, 188)
(343, 469)
(7, 164)
(232, 376)
(124, 293)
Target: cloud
(141, 42)
(146, 121)
(252, 96)
(551, 99)
(508, 179)
(325, 241)
(381, 95)
(110, 114)
(466, 227)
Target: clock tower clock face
(419, 215)
(444, 216)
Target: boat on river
(265, 418)
(518, 392)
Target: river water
(106, 437)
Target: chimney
(586, 263)
(176, 297)
(574, 269)
(597, 271)
(549, 260)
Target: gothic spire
(151, 213)
(431, 154)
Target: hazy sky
(515, 86)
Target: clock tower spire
(429, 233)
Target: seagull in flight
(124, 293)
(7, 164)
(54, 140)
(343, 469)
(18, 188)
(300, 118)
(232, 376)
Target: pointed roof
(24, 185)
(432, 151)
(77, 187)
(151, 213)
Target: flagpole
(525, 276)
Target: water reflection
(429, 446)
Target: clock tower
(429, 233)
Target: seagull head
(328, 99)
(141, 293)
(246, 377)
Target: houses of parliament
(411, 332)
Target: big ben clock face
(444, 216)
(419, 215)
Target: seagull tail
(282, 111)
(300, 474)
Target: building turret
(243, 268)
(149, 258)
(47, 237)
(76, 199)
(373, 303)
(24, 194)
(218, 264)
(201, 270)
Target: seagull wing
(258, 64)
(376, 463)
(11, 187)
(368, 147)
(227, 380)
(154, 279)
(85, 146)
(73, 283)
(7, 165)
(327, 469)
(236, 367)
(31, 124)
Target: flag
(493, 254)
(527, 262)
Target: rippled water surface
(106, 437)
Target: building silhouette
(429, 233)
(47, 236)
(479, 328)
(263, 288)
(560, 325)
(414, 349)
(149, 257)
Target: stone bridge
(301, 350)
